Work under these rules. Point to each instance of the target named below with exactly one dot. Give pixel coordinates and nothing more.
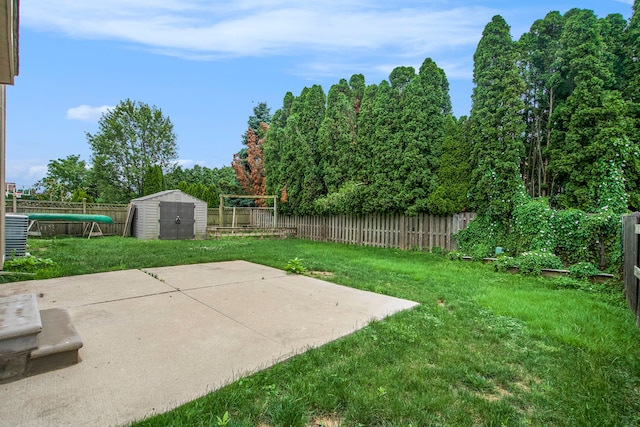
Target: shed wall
(146, 223)
(147, 219)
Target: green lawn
(483, 348)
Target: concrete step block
(20, 325)
(58, 343)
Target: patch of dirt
(326, 421)
(496, 394)
(524, 387)
(320, 274)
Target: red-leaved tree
(249, 165)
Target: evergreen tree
(631, 93)
(497, 124)
(425, 107)
(454, 173)
(612, 29)
(386, 182)
(366, 166)
(261, 114)
(340, 154)
(337, 137)
(307, 113)
(276, 151)
(297, 174)
(153, 180)
(590, 145)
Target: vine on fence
(572, 235)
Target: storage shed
(169, 215)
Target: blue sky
(206, 63)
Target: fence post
(275, 211)
(402, 232)
(630, 268)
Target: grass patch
(483, 348)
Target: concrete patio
(159, 337)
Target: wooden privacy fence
(422, 231)
(631, 271)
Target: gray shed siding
(146, 222)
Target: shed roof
(163, 193)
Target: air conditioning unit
(15, 234)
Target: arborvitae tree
(544, 91)
(425, 106)
(358, 88)
(306, 117)
(454, 173)
(205, 193)
(386, 183)
(275, 151)
(612, 30)
(497, 124)
(364, 149)
(153, 180)
(220, 179)
(400, 77)
(631, 93)
(590, 145)
(337, 137)
(297, 175)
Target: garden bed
(549, 272)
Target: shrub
(571, 234)
(529, 263)
(532, 263)
(480, 237)
(583, 270)
(503, 263)
(295, 266)
(27, 264)
(533, 227)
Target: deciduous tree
(64, 176)
(131, 138)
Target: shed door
(177, 220)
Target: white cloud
(202, 29)
(188, 163)
(87, 113)
(37, 172)
(457, 69)
(25, 171)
